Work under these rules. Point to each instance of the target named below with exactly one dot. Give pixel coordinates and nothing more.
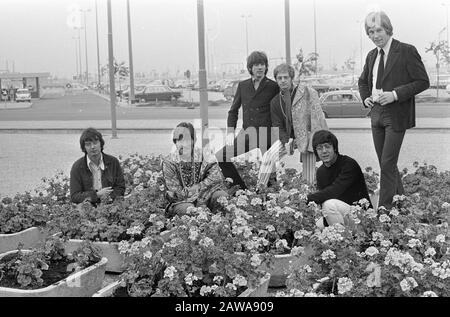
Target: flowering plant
(372, 179)
(385, 253)
(198, 260)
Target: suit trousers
(244, 142)
(387, 145)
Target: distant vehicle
(23, 94)
(319, 84)
(230, 90)
(447, 88)
(343, 104)
(153, 92)
(181, 83)
(76, 87)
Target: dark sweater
(81, 183)
(343, 180)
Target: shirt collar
(387, 47)
(101, 165)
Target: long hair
(91, 134)
(255, 58)
(180, 132)
(381, 19)
(324, 136)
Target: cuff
(395, 95)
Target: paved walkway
(15, 105)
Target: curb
(15, 106)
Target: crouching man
(96, 176)
(340, 181)
(192, 176)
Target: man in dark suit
(254, 95)
(393, 74)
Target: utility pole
(287, 28)
(85, 45)
(130, 55)
(202, 72)
(246, 29)
(76, 55)
(98, 50)
(315, 39)
(79, 52)
(112, 86)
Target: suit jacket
(255, 104)
(81, 183)
(278, 114)
(405, 73)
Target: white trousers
(334, 211)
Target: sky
(38, 35)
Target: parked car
(343, 104)
(153, 92)
(230, 90)
(23, 94)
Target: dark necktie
(288, 104)
(380, 70)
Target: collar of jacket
(106, 161)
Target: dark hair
(324, 136)
(282, 68)
(90, 134)
(257, 57)
(380, 18)
(178, 134)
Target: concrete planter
(259, 291)
(29, 238)
(80, 284)
(283, 265)
(110, 250)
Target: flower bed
(50, 272)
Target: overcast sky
(38, 34)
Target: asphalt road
(88, 106)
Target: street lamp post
(202, 72)
(112, 86)
(98, 50)
(246, 29)
(76, 55)
(85, 44)
(315, 40)
(360, 44)
(130, 55)
(287, 31)
(79, 52)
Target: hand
(289, 146)
(230, 139)
(104, 192)
(386, 97)
(368, 102)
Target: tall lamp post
(76, 55)
(202, 71)
(98, 50)
(315, 40)
(130, 55)
(287, 27)
(79, 52)
(360, 44)
(112, 86)
(85, 44)
(246, 29)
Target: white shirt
(386, 50)
(96, 171)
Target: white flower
(385, 243)
(297, 250)
(281, 244)
(394, 212)
(445, 205)
(412, 243)
(440, 238)
(170, 272)
(344, 285)
(408, 284)
(430, 252)
(205, 290)
(222, 200)
(239, 280)
(255, 260)
(429, 294)
(134, 230)
(206, 242)
(410, 232)
(298, 214)
(229, 180)
(328, 254)
(193, 234)
(190, 278)
(371, 251)
(377, 236)
(256, 201)
(270, 228)
(152, 217)
(123, 246)
(217, 278)
(399, 198)
(148, 255)
(231, 286)
(159, 224)
(298, 234)
(384, 218)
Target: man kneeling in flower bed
(96, 176)
(192, 176)
(340, 181)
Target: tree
(121, 71)
(441, 52)
(306, 66)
